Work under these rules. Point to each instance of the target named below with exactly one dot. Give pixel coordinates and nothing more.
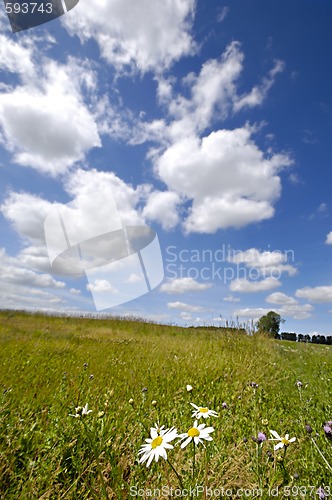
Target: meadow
(135, 375)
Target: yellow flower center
(285, 441)
(156, 442)
(204, 410)
(193, 432)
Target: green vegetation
(51, 365)
(270, 323)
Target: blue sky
(209, 122)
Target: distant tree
(270, 323)
(289, 336)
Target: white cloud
(27, 213)
(281, 298)
(328, 240)
(183, 285)
(251, 313)
(82, 183)
(134, 278)
(226, 176)
(318, 294)
(184, 307)
(162, 206)
(186, 316)
(45, 123)
(230, 298)
(259, 92)
(88, 212)
(299, 312)
(101, 286)
(243, 285)
(16, 57)
(22, 287)
(143, 35)
(266, 263)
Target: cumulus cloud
(101, 286)
(251, 313)
(228, 179)
(296, 311)
(328, 240)
(243, 285)
(281, 298)
(179, 286)
(90, 213)
(267, 262)
(141, 35)
(318, 294)
(162, 206)
(23, 287)
(45, 122)
(27, 212)
(184, 307)
(16, 57)
(231, 298)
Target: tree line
(270, 324)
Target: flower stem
(175, 472)
(321, 454)
(194, 459)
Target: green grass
(50, 365)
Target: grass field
(134, 375)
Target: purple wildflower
(261, 437)
(321, 493)
(328, 429)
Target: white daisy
(156, 445)
(196, 433)
(81, 411)
(283, 441)
(203, 411)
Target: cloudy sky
(209, 122)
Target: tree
(270, 323)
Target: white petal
(279, 446)
(184, 444)
(276, 435)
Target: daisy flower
(196, 433)
(80, 412)
(283, 441)
(202, 411)
(157, 444)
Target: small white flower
(202, 411)
(157, 444)
(80, 412)
(283, 441)
(196, 433)
(189, 388)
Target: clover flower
(283, 441)
(157, 445)
(197, 433)
(201, 411)
(189, 388)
